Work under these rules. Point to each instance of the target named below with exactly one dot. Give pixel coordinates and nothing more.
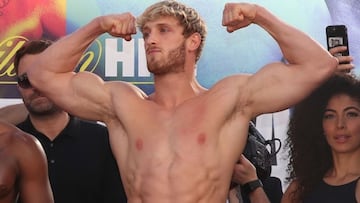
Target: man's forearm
(297, 47)
(62, 56)
(65, 53)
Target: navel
(139, 144)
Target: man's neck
(175, 88)
(50, 125)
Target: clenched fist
(238, 15)
(119, 25)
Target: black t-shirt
(82, 168)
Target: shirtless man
(180, 143)
(23, 168)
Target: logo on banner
(112, 59)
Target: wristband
(249, 187)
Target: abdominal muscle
(175, 178)
(173, 167)
(174, 156)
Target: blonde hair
(188, 18)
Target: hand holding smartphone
(336, 35)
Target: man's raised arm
(52, 71)
(64, 54)
(278, 86)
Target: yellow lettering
(88, 61)
(8, 48)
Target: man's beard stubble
(41, 109)
(173, 64)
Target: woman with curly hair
(324, 144)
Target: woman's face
(341, 123)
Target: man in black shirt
(82, 168)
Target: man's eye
(164, 30)
(145, 35)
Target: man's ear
(194, 41)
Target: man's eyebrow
(158, 25)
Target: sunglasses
(23, 81)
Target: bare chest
(174, 160)
(172, 145)
(172, 133)
(172, 154)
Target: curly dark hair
(309, 153)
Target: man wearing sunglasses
(81, 166)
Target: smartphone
(336, 35)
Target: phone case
(337, 36)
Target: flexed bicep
(82, 94)
(276, 87)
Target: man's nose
(151, 38)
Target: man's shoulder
(9, 130)
(231, 81)
(11, 135)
